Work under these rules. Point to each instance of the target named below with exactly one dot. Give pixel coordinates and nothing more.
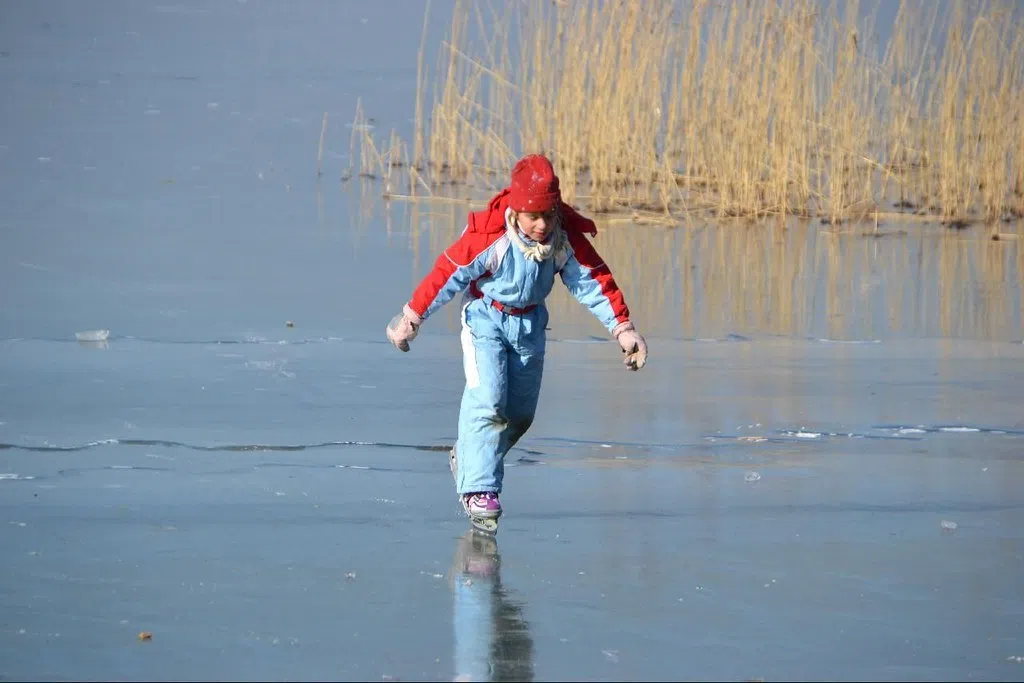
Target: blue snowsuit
(503, 327)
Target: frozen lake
(818, 475)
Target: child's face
(536, 226)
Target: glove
(633, 345)
(403, 328)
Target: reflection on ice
(492, 639)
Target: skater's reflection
(492, 640)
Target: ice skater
(505, 261)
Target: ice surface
(219, 479)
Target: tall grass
(777, 107)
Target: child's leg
(524, 378)
(482, 414)
(528, 342)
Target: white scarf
(536, 251)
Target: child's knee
(519, 426)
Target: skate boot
(482, 508)
(484, 505)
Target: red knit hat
(534, 185)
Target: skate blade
(488, 526)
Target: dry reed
(782, 107)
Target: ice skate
(482, 508)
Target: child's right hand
(403, 328)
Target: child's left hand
(634, 346)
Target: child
(506, 261)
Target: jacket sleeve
(589, 279)
(457, 266)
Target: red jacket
(482, 245)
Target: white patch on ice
(909, 430)
(948, 525)
(212, 105)
(14, 477)
(152, 112)
(806, 435)
(751, 476)
(825, 340)
(959, 429)
(44, 159)
(92, 335)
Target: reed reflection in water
(791, 278)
